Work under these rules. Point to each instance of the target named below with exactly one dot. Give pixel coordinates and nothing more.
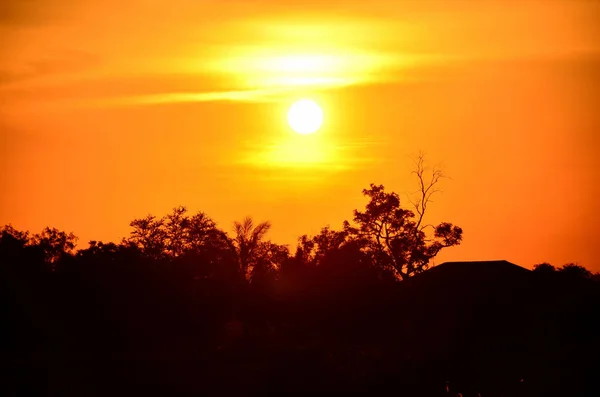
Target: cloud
(183, 97)
(151, 89)
(263, 95)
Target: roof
(495, 265)
(463, 274)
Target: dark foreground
(493, 329)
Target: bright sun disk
(305, 116)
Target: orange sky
(110, 110)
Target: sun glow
(305, 116)
(300, 152)
(282, 67)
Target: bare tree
(426, 190)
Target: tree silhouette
(149, 235)
(394, 236)
(175, 234)
(255, 256)
(99, 249)
(176, 225)
(202, 233)
(12, 241)
(9, 233)
(312, 250)
(54, 243)
(193, 243)
(570, 271)
(13, 246)
(544, 270)
(267, 261)
(575, 271)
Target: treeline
(569, 271)
(383, 242)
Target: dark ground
(490, 328)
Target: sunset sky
(110, 110)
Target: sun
(305, 116)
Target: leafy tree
(149, 235)
(256, 258)
(97, 248)
(570, 271)
(210, 245)
(335, 258)
(246, 241)
(99, 251)
(177, 234)
(268, 259)
(55, 244)
(396, 237)
(575, 271)
(52, 243)
(202, 232)
(193, 243)
(544, 269)
(311, 251)
(15, 248)
(10, 235)
(176, 226)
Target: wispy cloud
(253, 95)
(185, 97)
(165, 89)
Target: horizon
(107, 117)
